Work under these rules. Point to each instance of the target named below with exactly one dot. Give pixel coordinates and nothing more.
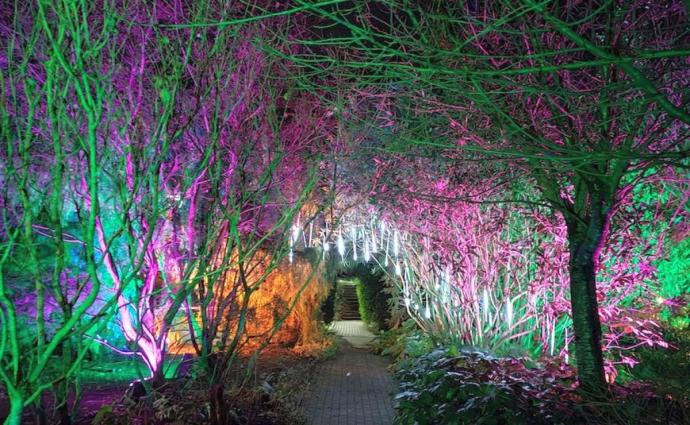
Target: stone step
(349, 304)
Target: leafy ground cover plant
(271, 399)
(451, 386)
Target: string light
(295, 233)
(385, 257)
(293, 240)
(341, 246)
(485, 303)
(326, 246)
(396, 245)
(354, 244)
(388, 242)
(311, 232)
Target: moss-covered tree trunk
(585, 240)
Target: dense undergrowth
(271, 397)
(183, 403)
(446, 384)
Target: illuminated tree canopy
(187, 178)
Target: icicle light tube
(341, 246)
(354, 244)
(396, 245)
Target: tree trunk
(584, 243)
(219, 412)
(14, 416)
(63, 413)
(62, 391)
(40, 416)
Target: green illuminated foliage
(673, 271)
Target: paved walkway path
(353, 388)
(353, 331)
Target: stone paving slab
(353, 388)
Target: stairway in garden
(349, 305)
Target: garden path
(353, 388)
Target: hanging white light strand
(446, 284)
(396, 245)
(295, 233)
(388, 242)
(374, 246)
(354, 243)
(311, 233)
(341, 246)
(326, 246)
(427, 310)
(293, 241)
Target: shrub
(462, 386)
(372, 297)
(436, 392)
(669, 368)
(403, 342)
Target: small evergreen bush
(372, 297)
